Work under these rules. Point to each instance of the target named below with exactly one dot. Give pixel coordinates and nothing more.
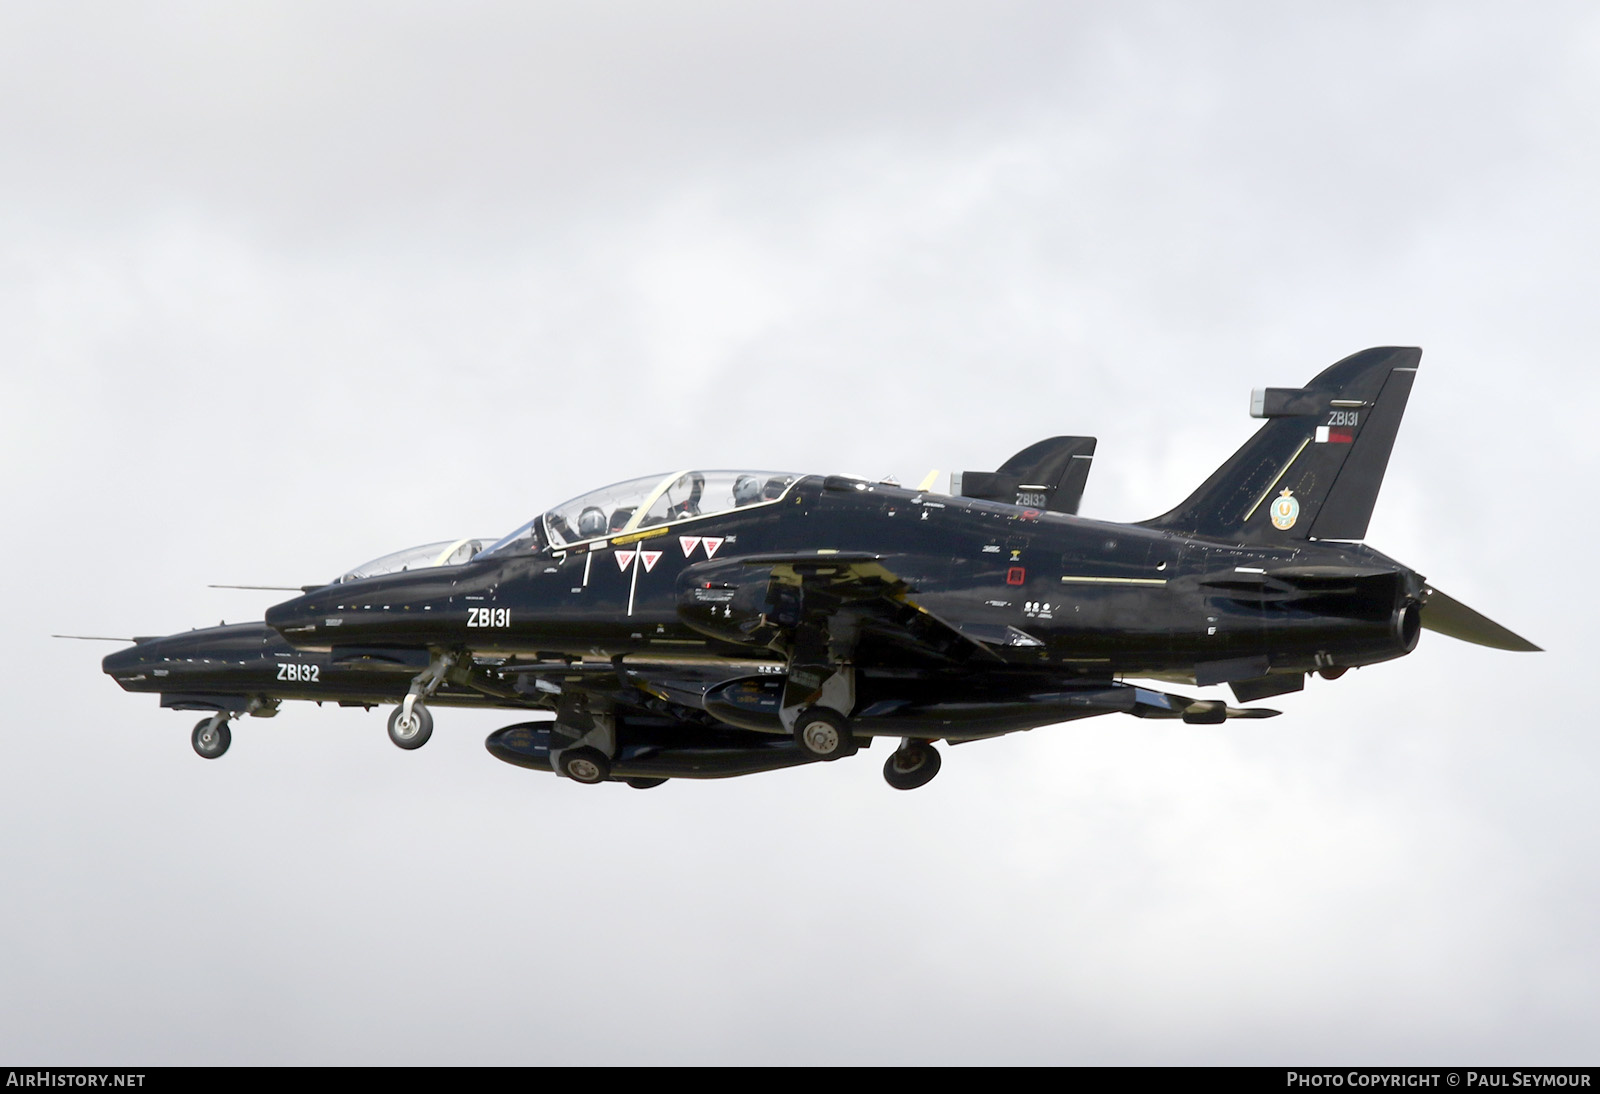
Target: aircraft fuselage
(1087, 598)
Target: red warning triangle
(649, 558)
(624, 559)
(712, 543)
(688, 543)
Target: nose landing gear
(410, 731)
(211, 737)
(411, 725)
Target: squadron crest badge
(1285, 511)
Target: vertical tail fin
(1050, 474)
(1314, 469)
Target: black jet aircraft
(248, 669)
(794, 618)
(875, 610)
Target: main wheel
(209, 740)
(585, 765)
(913, 764)
(411, 732)
(824, 734)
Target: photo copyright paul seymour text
(1472, 1079)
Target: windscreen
(645, 503)
(449, 552)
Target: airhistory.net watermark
(74, 1078)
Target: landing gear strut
(411, 725)
(211, 737)
(819, 693)
(913, 764)
(586, 730)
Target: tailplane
(1447, 615)
(1314, 469)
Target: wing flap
(845, 595)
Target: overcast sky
(284, 287)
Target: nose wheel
(410, 729)
(411, 725)
(913, 764)
(211, 737)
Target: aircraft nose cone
(128, 660)
(134, 669)
(297, 616)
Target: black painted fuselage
(1039, 591)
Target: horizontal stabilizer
(1449, 616)
(997, 634)
(1264, 687)
(1161, 704)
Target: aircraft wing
(675, 688)
(852, 601)
(859, 608)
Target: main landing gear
(585, 765)
(583, 738)
(818, 694)
(824, 734)
(211, 737)
(913, 764)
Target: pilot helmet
(746, 490)
(592, 522)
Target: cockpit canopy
(645, 503)
(450, 552)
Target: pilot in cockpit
(690, 506)
(592, 523)
(746, 490)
